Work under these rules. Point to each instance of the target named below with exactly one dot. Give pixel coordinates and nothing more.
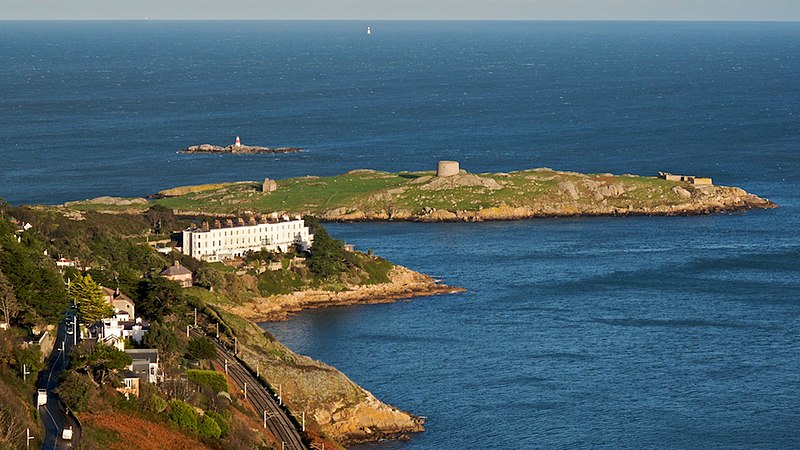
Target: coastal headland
(369, 195)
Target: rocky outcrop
(404, 283)
(240, 149)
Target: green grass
(371, 191)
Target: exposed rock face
(460, 180)
(118, 201)
(682, 193)
(404, 283)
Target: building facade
(230, 241)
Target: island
(237, 148)
(451, 194)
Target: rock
(611, 190)
(682, 193)
(568, 188)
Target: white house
(144, 363)
(231, 241)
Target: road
(275, 418)
(53, 414)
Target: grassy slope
(376, 191)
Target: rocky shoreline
(405, 284)
(237, 149)
(337, 407)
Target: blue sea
(644, 332)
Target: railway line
(275, 419)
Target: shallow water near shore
(628, 332)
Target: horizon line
(186, 19)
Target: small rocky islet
(237, 148)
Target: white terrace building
(230, 240)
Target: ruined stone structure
(269, 186)
(698, 181)
(447, 169)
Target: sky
(766, 10)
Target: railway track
(276, 420)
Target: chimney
(229, 223)
(205, 226)
(251, 221)
(217, 224)
(240, 221)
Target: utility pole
(195, 317)
(226, 366)
(245, 390)
(235, 346)
(28, 438)
(265, 418)
(25, 372)
(217, 324)
(187, 330)
(258, 370)
(280, 394)
(75, 330)
(303, 413)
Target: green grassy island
(458, 196)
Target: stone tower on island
(447, 169)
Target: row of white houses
(219, 243)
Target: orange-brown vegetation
(137, 433)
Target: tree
(328, 257)
(202, 348)
(163, 338)
(88, 297)
(158, 297)
(74, 389)
(101, 361)
(9, 307)
(207, 277)
(160, 218)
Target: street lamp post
(28, 438)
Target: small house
(144, 363)
(177, 272)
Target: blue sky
(785, 10)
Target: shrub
(208, 428)
(214, 380)
(221, 421)
(184, 416)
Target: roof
(128, 374)
(114, 296)
(143, 354)
(176, 269)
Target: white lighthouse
(238, 143)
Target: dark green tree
(158, 297)
(9, 306)
(201, 348)
(88, 297)
(75, 389)
(163, 338)
(100, 361)
(328, 257)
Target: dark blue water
(635, 332)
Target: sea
(637, 332)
